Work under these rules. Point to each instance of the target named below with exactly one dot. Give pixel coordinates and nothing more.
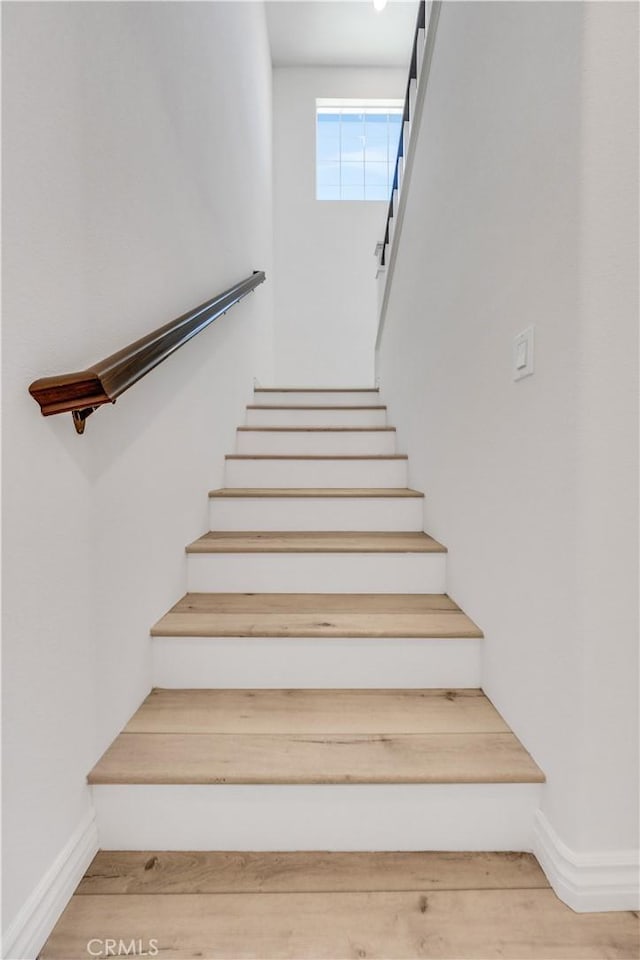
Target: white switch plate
(522, 362)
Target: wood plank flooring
(315, 615)
(316, 542)
(316, 390)
(276, 429)
(313, 456)
(127, 871)
(314, 406)
(358, 492)
(333, 907)
(315, 758)
(316, 711)
(316, 736)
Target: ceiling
(346, 33)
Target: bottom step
(316, 770)
(443, 816)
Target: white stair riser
(349, 398)
(315, 473)
(314, 662)
(316, 572)
(374, 442)
(310, 817)
(316, 418)
(317, 513)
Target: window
(356, 148)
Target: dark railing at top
(413, 75)
(81, 393)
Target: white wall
(137, 183)
(326, 298)
(523, 210)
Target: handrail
(390, 249)
(81, 393)
(413, 75)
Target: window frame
(347, 106)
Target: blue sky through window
(356, 148)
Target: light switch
(523, 354)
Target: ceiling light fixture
(379, 5)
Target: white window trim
(352, 105)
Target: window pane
(328, 124)
(356, 150)
(377, 174)
(352, 192)
(328, 192)
(328, 173)
(376, 127)
(352, 135)
(377, 193)
(376, 152)
(328, 151)
(352, 174)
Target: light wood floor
(315, 615)
(467, 906)
(303, 492)
(316, 736)
(322, 542)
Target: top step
(315, 396)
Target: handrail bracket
(80, 417)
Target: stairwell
(315, 690)
(315, 770)
(316, 650)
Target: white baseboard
(37, 918)
(588, 882)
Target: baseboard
(37, 918)
(588, 881)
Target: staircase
(316, 689)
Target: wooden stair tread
(316, 736)
(315, 456)
(180, 872)
(314, 542)
(312, 429)
(488, 923)
(314, 406)
(316, 390)
(308, 711)
(386, 492)
(315, 615)
(166, 758)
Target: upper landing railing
(407, 116)
(81, 393)
(419, 67)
